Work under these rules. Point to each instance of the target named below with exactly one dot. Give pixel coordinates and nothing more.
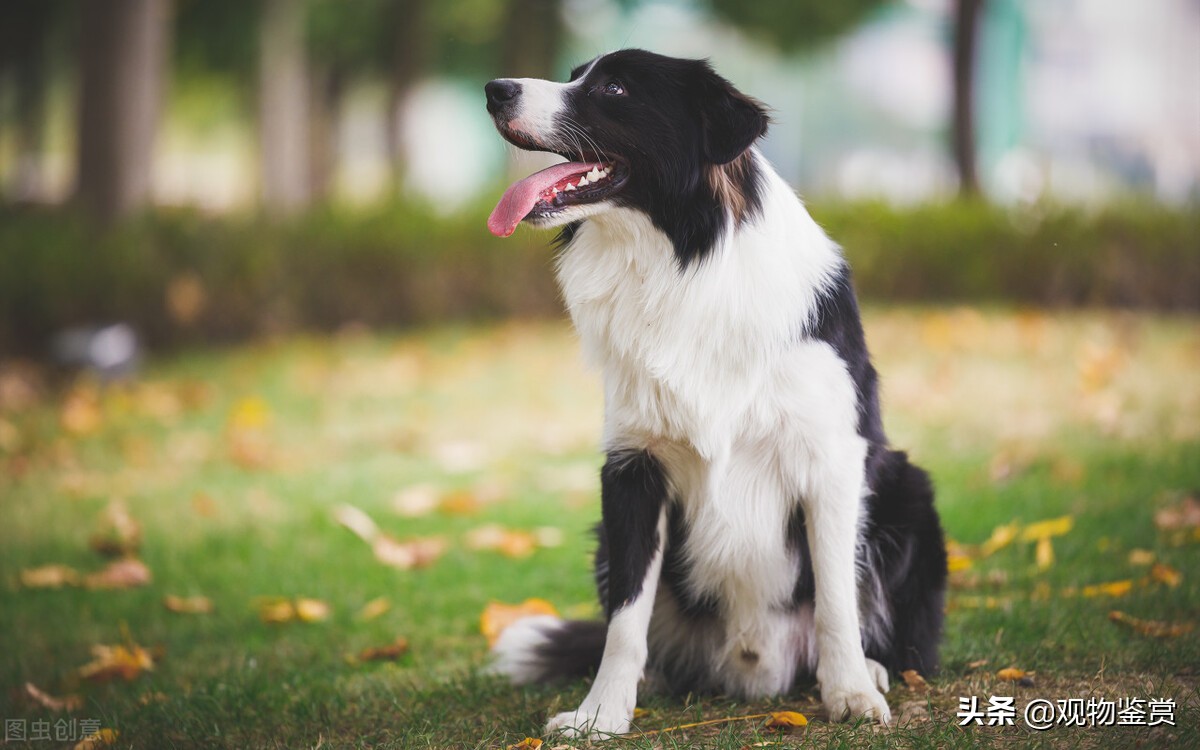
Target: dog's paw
(879, 675)
(847, 704)
(582, 724)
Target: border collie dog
(756, 527)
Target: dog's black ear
(730, 121)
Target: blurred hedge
(180, 276)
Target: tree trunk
(24, 33)
(124, 61)
(411, 55)
(966, 28)
(283, 107)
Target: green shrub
(401, 264)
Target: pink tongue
(521, 196)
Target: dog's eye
(613, 88)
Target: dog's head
(638, 130)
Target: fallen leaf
(120, 574)
(357, 521)
(110, 662)
(1163, 573)
(249, 413)
(1112, 588)
(416, 501)
(1001, 537)
(460, 503)
(1045, 553)
(80, 414)
(47, 701)
(1141, 557)
(978, 663)
(117, 532)
(786, 720)
(1048, 528)
(390, 652)
(1152, 628)
(1184, 514)
(957, 558)
(914, 680)
(374, 608)
(1011, 674)
(98, 739)
(311, 610)
(275, 611)
(49, 577)
(414, 553)
(188, 605)
(529, 743)
(497, 616)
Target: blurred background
(221, 169)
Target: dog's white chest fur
(710, 369)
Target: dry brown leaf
(1112, 588)
(47, 701)
(529, 743)
(1011, 674)
(1152, 628)
(374, 608)
(978, 663)
(80, 414)
(914, 680)
(49, 577)
(390, 652)
(111, 662)
(98, 739)
(1163, 573)
(1184, 514)
(188, 605)
(497, 616)
(786, 720)
(414, 553)
(117, 533)
(120, 574)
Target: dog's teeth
(583, 181)
(554, 191)
(569, 187)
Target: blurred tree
(531, 38)
(123, 70)
(283, 110)
(793, 26)
(962, 131)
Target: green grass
(1018, 416)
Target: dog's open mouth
(545, 193)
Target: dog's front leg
(633, 496)
(848, 687)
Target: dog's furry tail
(546, 648)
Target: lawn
(241, 478)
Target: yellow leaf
(311, 610)
(249, 413)
(1152, 628)
(374, 608)
(1112, 588)
(1011, 674)
(1001, 537)
(98, 739)
(460, 503)
(189, 605)
(120, 574)
(786, 720)
(110, 662)
(529, 743)
(1141, 557)
(49, 577)
(914, 680)
(45, 700)
(275, 611)
(497, 616)
(1165, 574)
(1045, 553)
(1048, 528)
(957, 558)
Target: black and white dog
(756, 525)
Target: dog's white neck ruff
(687, 353)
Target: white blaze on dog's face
(638, 130)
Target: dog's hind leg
(634, 529)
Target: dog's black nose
(500, 93)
